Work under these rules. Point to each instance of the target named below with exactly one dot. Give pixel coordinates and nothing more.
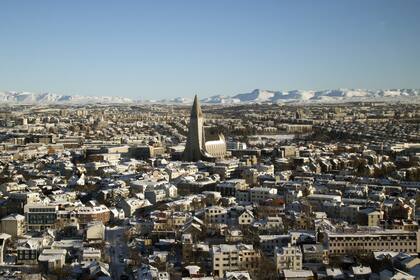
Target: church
(203, 143)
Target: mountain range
(255, 96)
(12, 97)
(306, 96)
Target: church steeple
(202, 145)
(194, 147)
(196, 108)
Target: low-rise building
(95, 231)
(365, 242)
(216, 215)
(290, 274)
(261, 194)
(131, 205)
(87, 214)
(90, 254)
(14, 225)
(289, 257)
(39, 216)
(52, 259)
(28, 251)
(234, 258)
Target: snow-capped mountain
(335, 95)
(220, 99)
(255, 96)
(305, 96)
(11, 97)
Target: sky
(165, 49)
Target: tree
(62, 272)
(266, 269)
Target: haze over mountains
(256, 96)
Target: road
(117, 250)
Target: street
(118, 251)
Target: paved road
(118, 250)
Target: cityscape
(257, 191)
(146, 155)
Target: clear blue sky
(161, 49)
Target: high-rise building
(203, 143)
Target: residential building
(14, 224)
(366, 242)
(234, 258)
(289, 257)
(39, 216)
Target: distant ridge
(30, 98)
(305, 96)
(255, 96)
